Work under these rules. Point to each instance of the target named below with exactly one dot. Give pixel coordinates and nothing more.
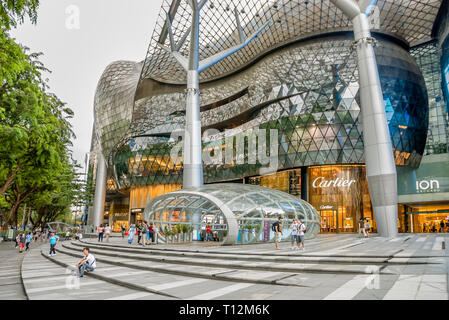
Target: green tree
(13, 12)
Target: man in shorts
(295, 239)
(301, 230)
(277, 228)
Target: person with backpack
(301, 230)
(277, 228)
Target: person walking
(301, 234)
(277, 228)
(208, 234)
(123, 231)
(139, 233)
(16, 241)
(294, 227)
(362, 227)
(368, 228)
(29, 238)
(131, 233)
(441, 226)
(144, 233)
(53, 240)
(21, 239)
(87, 263)
(151, 232)
(100, 233)
(107, 231)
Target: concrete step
(240, 264)
(224, 273)
(296, 256)
(44, 279)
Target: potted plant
(168, 236)
(177, 231)
(190, 233)
(185, 230)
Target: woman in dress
(131, 232)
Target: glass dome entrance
(237, 213)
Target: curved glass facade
(309, 92)
(251, 209)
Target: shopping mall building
(298, 77)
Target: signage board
(321, 182)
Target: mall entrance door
(334, 221)
(329, 221)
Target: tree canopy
(13, 12)
(36, 166)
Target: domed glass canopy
(238, 213)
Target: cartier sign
(321, 182)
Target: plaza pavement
(10, 280)
(332, 267)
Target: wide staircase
(211, 272)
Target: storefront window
(341, 196)
(288, 181)
(424, 218)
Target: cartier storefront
(340, 194)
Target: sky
(79, 39)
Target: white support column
(379, 158)
(193, 164)
(100, 191)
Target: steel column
(100, 191)
(379, 158)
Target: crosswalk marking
(132, 296)
(221, 292)
(406, 287)
(176, 284)
(351, 288)
(82, 284)
(437, 243)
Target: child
(53, 239)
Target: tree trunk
(19, 200)
(9, 180)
